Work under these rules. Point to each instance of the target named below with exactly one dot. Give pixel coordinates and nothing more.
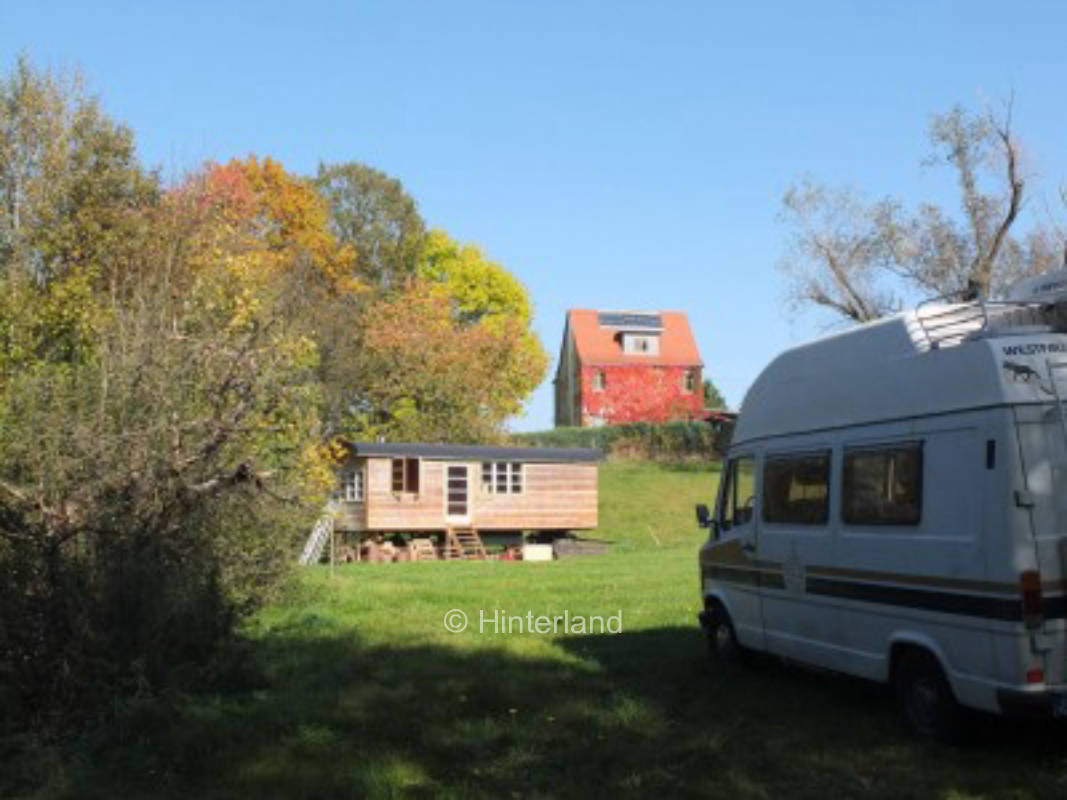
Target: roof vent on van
(1048, 290)
(1031, 305)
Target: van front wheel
(722, 638)
(925, 698)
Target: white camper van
(894, 506)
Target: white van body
(901, 486)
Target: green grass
(647, 505)
(362, 693)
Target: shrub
(670, 441)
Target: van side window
(796, 488)
(738, 496)
(883, 485)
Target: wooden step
(464, 543)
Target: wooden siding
(352, 515)
(554, 497)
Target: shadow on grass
(634, 714)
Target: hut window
(502, 477)
(352, 485)
(598, 381)
(406, 475)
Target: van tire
(925, 699)
(722, 638)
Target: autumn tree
(372, 214)
(157, 469)
(485, 296)
(72, 215)
(152, 493)
(266, 223)
(430, 377)
(260, 219)
(863, 260)
(71, 189)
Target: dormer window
(640, 344)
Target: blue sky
(612, 155)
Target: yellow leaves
(57, 322)
(318, 463)
(259, 221)
(480, 288)
(246, 308)
(487, 297)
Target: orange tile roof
(597, 345)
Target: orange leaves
(258, 219)
(433, 379)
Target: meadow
(352, 687)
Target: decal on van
(1024, 373)
(1034, 348)
(1021, 372)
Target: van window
(883, 485)
(796, 488)
(738, 496)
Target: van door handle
(748, 547)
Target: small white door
(457, 493)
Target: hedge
(646, 440)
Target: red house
(626, 366)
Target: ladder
(316, 542)
(1053, 368)
(463, 543)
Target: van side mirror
(703, 516)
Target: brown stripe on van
(936, 581)
(750, 576)
(732, 553)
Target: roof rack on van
(950, 319)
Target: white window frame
(352, 485)
(689, 381)
(503, 477)
(640, 344)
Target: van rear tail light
(1035, 675)
(1030, 585)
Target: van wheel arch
(723, 645)
(924, 696)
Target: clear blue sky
(612, 154)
